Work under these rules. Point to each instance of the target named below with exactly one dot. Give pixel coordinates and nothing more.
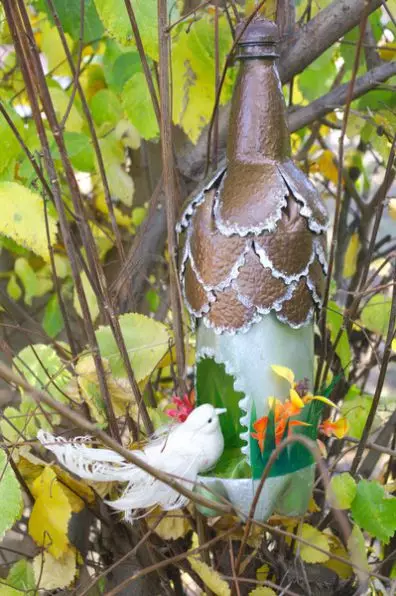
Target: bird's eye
(210, 420)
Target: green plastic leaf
(106, 108)
(214, 386)
(69, 15)
(13, 289)
(20, 579)
(146, 340)
(138, 106)
(43, 369)
(53, 320)
(10, 495)
(334, 323)
(22, 218)
(193, 73)
(374, 510)
(342, 491)
(376, 313)
(116, 20)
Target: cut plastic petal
(296, 399)
(284, 372)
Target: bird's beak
(220, 411)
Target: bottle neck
(258, 130)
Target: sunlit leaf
(91, 297)
(33, 284)
(120, 183)
(10, 147)
(52, 573)
(69, 15)
(124, 67)
(173, 526)
(52, 48)
(61, 101)
(210, 577)
(105, 107)
(22, 218)
(10, 495)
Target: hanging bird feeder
(252, 270)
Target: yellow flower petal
(284, 372)
(324, 400)
(273, 402)
(296, 399)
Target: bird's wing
(101, 465)
(145, 491)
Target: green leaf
(374, 510)
(376, 313)
(10, 495)
(318, 77)
(18, 425)
(357, 548)
(20, 579)
(120, 183)
(138, 106)
(125, 66)
(106, 107)
(193, 73)
(43, 369)
(214, 386)
(61, 100)
(146, 342)
(10, 147)
(356, 408)
(69, 15)
(334, 323)
(116, 20)
(79, 149)
(232, 464)
(342, 491)
(34, 284)
(91, 297)
(22, 218)
(53, 321)
(13, 289)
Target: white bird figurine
(183, 451)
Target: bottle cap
(258, 40)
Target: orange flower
(282, 417)
(339, 428)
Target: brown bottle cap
(258, 39)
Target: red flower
(184, 407)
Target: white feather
(183, 451)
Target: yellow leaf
(316, 538)
(392, 208)
(327, 166)
(210, 577)
(284, 372)
(52, 574)
(313, 506)
(262, 591)
(61, 100)
(388, 52)
(49, 520)
(51, 45)
(120, 217)
(343, 570)
(22, 218)
(262, 572)
(173, 526)
(77, 491)
(351, 255)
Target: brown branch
(171, 189)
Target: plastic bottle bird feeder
(253, 261)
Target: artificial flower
(298, 394)
(338, 429)
(184, 407)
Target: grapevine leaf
(146, 342)
(10, 495)
(22, 218)
(374, 510)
